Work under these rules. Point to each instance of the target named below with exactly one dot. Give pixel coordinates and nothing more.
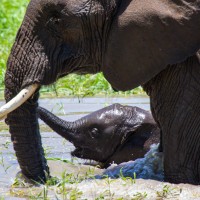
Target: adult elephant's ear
(148, 35)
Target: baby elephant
(113, 134)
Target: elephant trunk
(23, 122)
(25, 135)
(63, 128)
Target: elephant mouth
(85, 153)
(78, 152)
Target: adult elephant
(130, 41)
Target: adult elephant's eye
(94, 133)
(54, 25)
(54, 18)
(55, 21)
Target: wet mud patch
(77, 182)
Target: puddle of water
(72, 106)
(68, 109)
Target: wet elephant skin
(114, 134)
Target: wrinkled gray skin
(114, 134)
(133, 42)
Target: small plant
(64, 142)
(18, 183)
(101, 197)
(36, 197)
(66, 179)
(47, 150)
(134, 177)
(110, 195)
(75, 194)
(167, 192)
(60, 159)
(132, 180)
(126, 179)
(90, 174)
(43, 195)
(139, 196)
(60, 107)
(45, 192)
(2, 163)
(6, 144)
(52, 181)
(18, 193)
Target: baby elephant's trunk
(63, 128)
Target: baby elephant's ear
(148, 35)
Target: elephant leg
(25, 135)
(175, 102)
(154, 116)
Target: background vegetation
(11, 15)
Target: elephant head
(56, 38)
(129, 41)
(113, 134)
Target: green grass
(11, 15)
(82, 86)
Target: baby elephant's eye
(94, 133)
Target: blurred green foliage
(11, 16)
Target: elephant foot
(181, 178)
(30, 155)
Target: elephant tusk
(17, 101)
